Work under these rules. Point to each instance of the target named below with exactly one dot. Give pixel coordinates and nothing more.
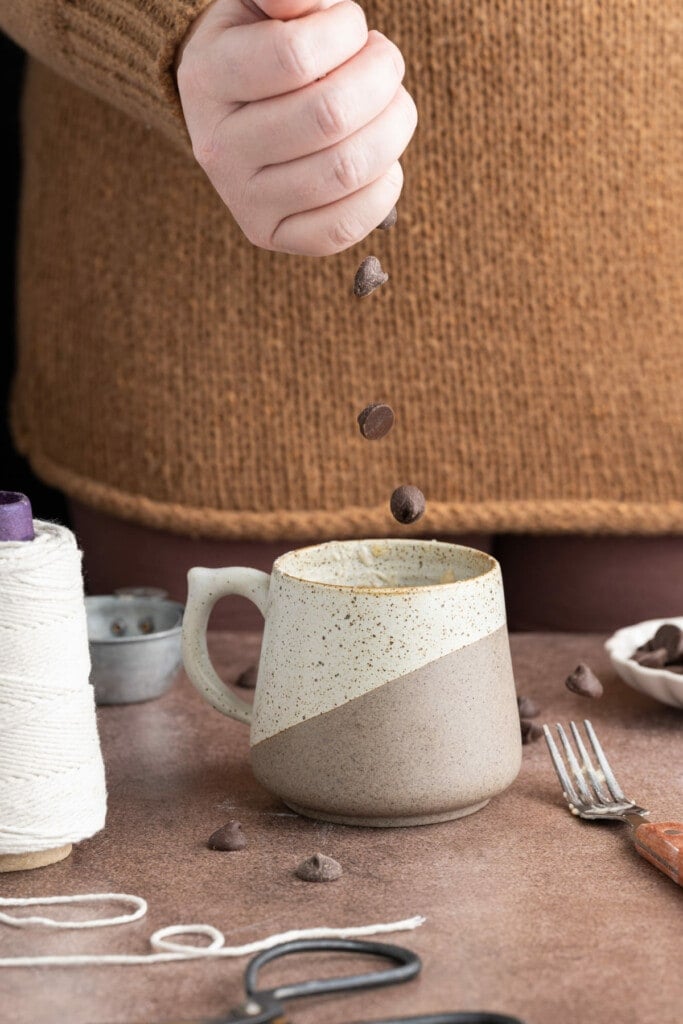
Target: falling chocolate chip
(670, 637)
(389, 220)
(319, 868)
(584, 682)
(229, 837)
(368, 277)
(407, 504)
(651, 659)
(247, 680)
(376, 420)
(530, 731)
(527, 707)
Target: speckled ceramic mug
(385, 693)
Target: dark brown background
(15, 474)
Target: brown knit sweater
(529, 338)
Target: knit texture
(529, 337)
(121, 50)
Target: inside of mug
(385, 563)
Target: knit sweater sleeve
(121, 50)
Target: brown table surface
(529, 911)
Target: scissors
(265, 1006)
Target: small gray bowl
(135, 646)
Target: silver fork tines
(590, 791)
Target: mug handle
(205, 587)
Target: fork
(594, 793)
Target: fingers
(285, 9)
(266, 58)
(320, 115)
(333, 174)
(336, 227)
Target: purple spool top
(16, 516)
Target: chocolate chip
(407, 504)
(651, 659)
(389, 220)
(376, 420)
(669, 637)
(229, 837)
(368, 277)
(319, 868)
(530, 731)
(248, 678)
(527, 707)
(584, 682)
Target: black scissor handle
(406, 965)
(465, 1017)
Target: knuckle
(394, 177)
(330, 115)
(204, 152)
(344, 232)
(391, 54)
(411, 108)
(350, 170)
(255, 234)
(294, 54)
(357, 13)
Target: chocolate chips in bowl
(648, 657)
(663, 650)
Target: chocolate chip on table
(407, 504)
(584, 682)
(247, 680)
(319, 868)
(376, 420)
(229, 837)
(527, 707)
(389, 220)
(670, 637)
(368, 277)
(530, 731)
(652, 659)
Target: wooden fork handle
(661, 842)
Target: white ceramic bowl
(655, 682)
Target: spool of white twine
(52, 789)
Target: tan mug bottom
(403, 822)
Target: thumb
(284, 10)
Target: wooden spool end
(28, 861)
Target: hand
(299, 123)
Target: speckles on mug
(370, 634)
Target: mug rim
(486, 558)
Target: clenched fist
(298, 116)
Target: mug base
(402, 822)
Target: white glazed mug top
(385, 564)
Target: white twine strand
(166, 951)
(52, 789)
